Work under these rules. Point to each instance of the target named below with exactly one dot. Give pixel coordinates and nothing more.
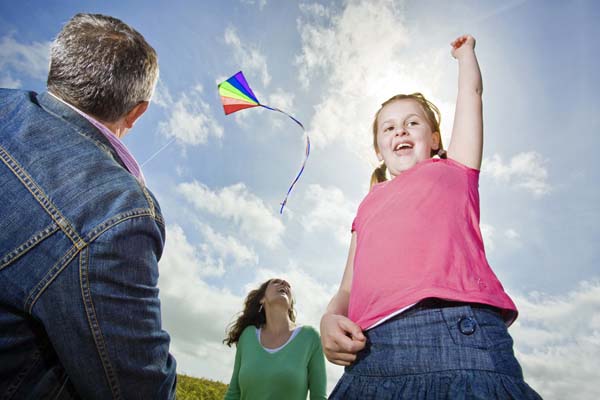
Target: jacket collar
(82, 125)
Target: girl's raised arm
(466, 144)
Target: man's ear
(135, 113)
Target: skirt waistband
(433, 302)
(438, 335)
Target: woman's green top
(289, 373)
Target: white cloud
(227, 247)
(182, 252)
(249, 57)
(524, 170)
(329, 210)
(315, 10)
(162, 96)
(7, 81)
(236, 203)
(488, 233)
(260, 3)
(362, 54)
(281, 99)
(511, 234)
(30, 59)
(190, 118)
(557, 341)
(194, 313)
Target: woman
(275, 358)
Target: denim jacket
(80, 240)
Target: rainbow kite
(236, 95)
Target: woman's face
(278, 290)
(404, 136)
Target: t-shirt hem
(508, 309)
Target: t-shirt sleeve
(233, 391)
(468, 170)
(317, 378)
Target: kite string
(306, 154)
(159, 150)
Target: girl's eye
(412, 123)
(388, 129)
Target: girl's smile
(404, 136)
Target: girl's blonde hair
(433, 116)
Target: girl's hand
(462, 45)
(341, 339)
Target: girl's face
(278, 290)
(404, 136)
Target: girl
(417, 281)
(274, 359)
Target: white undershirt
(389, 316)
(293, 335)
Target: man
(80, 234)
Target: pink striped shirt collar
(130, 162)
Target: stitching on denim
(37, 291)
(41, 198)
(94, 325)
(149, 200)
(152, 205)
(56, 269)
(109, 223)
(28, 245)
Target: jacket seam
(30, 243)
(61, 264)
(56, 269)
(115, 220)
(94, 325)
(41, 198)
(149, 200)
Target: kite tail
(306, 154)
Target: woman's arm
(317, 378)
(342, 338)
(466, 144)
(233, 391)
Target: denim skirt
(437, 350)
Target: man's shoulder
(15, 101)
(17, 94)
(67, 164)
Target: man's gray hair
(102, 66)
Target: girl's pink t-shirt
(418, 237)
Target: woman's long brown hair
(253, 314)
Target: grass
(190, 388)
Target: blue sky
(220, 179)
